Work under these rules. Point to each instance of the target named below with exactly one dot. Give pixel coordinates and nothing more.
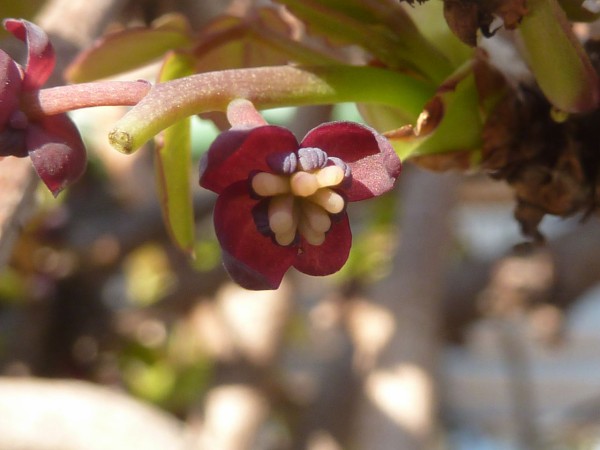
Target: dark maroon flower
(282, 204)
(52, 142)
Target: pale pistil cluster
(301, 202)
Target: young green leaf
(128, 49)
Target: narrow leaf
(172, 165)
(128, 49)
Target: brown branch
(400, 404)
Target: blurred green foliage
(24, 9)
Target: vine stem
(266, 87)
(156, 107)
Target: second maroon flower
(53, 142)
(282, 203)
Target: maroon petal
(330, 256)
(40, 54)
(238, 152)
(12, 121)
(57, 151)
(253, 261)
(10, 88)
(374, 164)
(12, 143)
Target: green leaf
(172, 165)
(384, 117)
(262, 39)
(382, 27)
(131, 48)
(461, 127)
(453, 121)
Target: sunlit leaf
(128, 49)
(382, 27)
(172, 164)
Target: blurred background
(445, 330)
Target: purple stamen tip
(283, 163)
(312, 158)
(341, 164)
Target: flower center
(301, 202)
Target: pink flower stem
(61, 99)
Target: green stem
(266, 87)
(557, 59)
